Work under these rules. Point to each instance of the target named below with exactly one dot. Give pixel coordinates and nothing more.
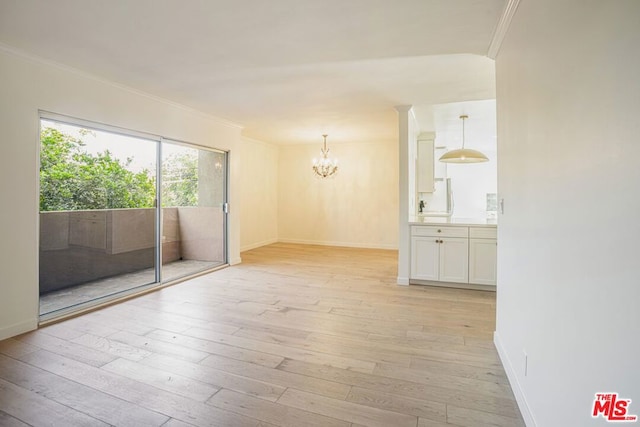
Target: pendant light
(463, 155)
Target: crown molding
(501, 29)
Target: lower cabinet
(454, 254)
(454, 259)
(482, 261)
(442, 259)
(425, 258)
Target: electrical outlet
(526, 362)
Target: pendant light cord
(463, 117)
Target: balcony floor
(90, 291)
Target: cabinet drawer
(436, 231)
(483, 232)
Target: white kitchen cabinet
(440, 254)
(459, 255)
(454, 260)
(482, 256)
(425, 258)
(425, 166)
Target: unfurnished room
(418, 213)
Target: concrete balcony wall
(81, 246)
(54, 231)
(170, 235)
(201, 233)
(129, 230)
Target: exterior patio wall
(201, 233)
(170, 235)
(81, 246)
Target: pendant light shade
(463, 155)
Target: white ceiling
(286, 70)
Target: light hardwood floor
(295, 336)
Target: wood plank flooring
(296, 335)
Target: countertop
(437, 220)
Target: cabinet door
(454, 260)
(482, 261)
(424, 258)
(425, 166)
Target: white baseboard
(259, 244)
(340, 244)
(473, 286)
(513, 381)
(18, 328)
(235, 261)
(402, 281)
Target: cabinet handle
(439, 231)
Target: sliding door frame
(159, 141)
(225, 203)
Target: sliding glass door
(97, 214)
(193, 209)
(103, 233)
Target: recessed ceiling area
(287, 71)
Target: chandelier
(325, 167)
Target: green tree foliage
(180, 179)
(72, 179)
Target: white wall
(568, 97)
(27, 86)
(358, 207)
(470, 184)
(258, 193)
